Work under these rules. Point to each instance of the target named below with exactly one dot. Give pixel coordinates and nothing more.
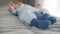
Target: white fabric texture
(26, 13)
(27, 16)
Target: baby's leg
(48, 17)
(32, 20)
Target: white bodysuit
(26, 13)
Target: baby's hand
(10, 6)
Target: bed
(10, 24)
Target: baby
(32, 16)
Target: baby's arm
(11, 9)
(14, 12)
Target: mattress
(11, 24)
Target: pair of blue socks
(45, 23)
(40, 24)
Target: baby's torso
(36, 12)
(24, 8)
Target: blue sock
(47, 17)
(53, 20)
(40, 24)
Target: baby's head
(19, 4)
